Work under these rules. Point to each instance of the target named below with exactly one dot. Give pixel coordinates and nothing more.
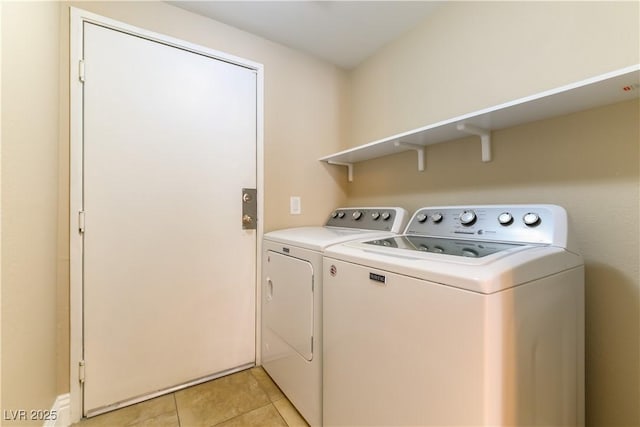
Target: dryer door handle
(269, 289)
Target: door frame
(77, 19)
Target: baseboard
(60, 412)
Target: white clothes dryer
(475, 316)
(292, 298)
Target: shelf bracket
(485, 138)
(348, 165)
(419, 149)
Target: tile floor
(244, 399)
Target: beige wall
(304, 119)
(1, 209)
(30, 104)
(469, 56)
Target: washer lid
(437, 245)
(318, 238)
(500, 270)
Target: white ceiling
(341, 32)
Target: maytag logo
(377, 277)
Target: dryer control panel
(391, 219)
(543, 224)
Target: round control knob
(437, 217)
(375, 215)
(421, 217)
(357, 215)
(468, 252)
(340, 214)
(467, 218)
(386, 216)
(505, 218)
(334, 214)
(531, 219)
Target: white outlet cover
(295, 205)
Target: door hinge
(81, 70)
(81, 221)
(81, 371)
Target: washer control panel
(382, 219)
(506, 223)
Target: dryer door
(288, 301)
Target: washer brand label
(286, 250)
(377, 277)
(333, 270)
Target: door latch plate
(249, 208)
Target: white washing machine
(292, 298)
(473, 317)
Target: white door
(169, 273)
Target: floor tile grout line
(282, 395)
(294, 408)
(280, 414)
(264, 390)
(245, 413)
(175, 403)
